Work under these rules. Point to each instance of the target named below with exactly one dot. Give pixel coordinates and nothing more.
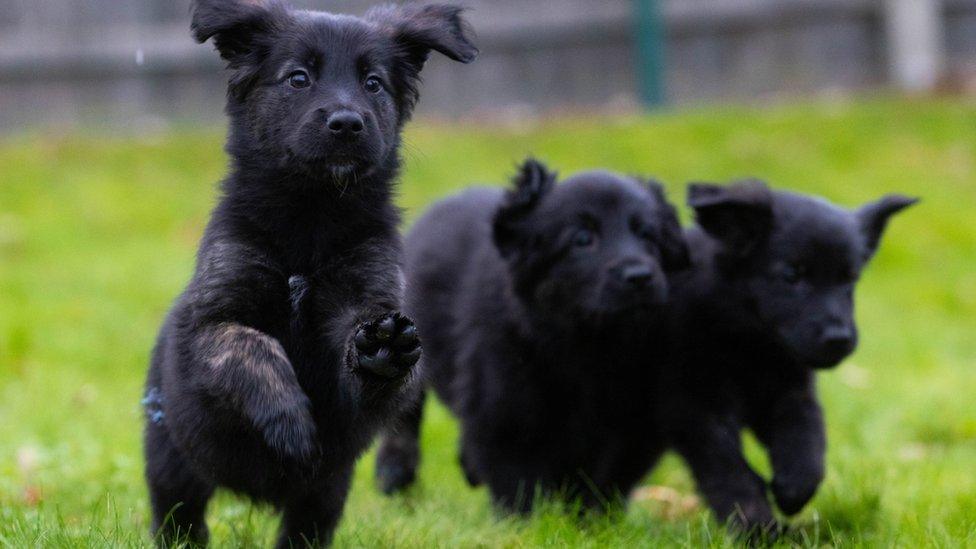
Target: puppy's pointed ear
(739, 215)
(236, 26)
(873, 218)
(674, 248)
(531, 184)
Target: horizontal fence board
(63, 61)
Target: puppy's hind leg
(178, 497)
(467, 468)
(310, 517)
(399, 453)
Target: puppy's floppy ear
(674, 248)
(873, 218)
(236, 26)
(242, 32)
(418, 29)
(739, 215)
(533, 181)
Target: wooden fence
(132, 63)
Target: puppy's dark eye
(645, 232)
(642, 230)
(373, 85)
(792, 273)
(583, 238)
(299, 80)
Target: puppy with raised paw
(529, 303)
(287, 351)
(768, 302)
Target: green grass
(97, 235)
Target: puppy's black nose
(636, 275)
(345, 123)
(838, 341)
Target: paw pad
(387, 346)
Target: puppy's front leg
(379, 346)
(250, 371)
(793, 432)
(711, 446)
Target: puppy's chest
(737, 384)
(322, 304)
(603, 400)
(312, 304)
(304, 254)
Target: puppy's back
(447, 234)
(443, 250)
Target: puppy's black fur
(286, 352)
(768, 302)
(527, 302)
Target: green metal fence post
(650, 35)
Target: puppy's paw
(756, 525)
(387, 346)
(470, 474)
(794, 490)
(751, 520)
(763, 535)
(396, 464)
(289, 431)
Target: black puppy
(527, 303)
(769, 300)
(286, 352)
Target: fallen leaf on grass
(32, 495)
(665, 502)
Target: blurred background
(131, 63)
(111, 134)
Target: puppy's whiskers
(345, 185)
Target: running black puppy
(286, 352)
(768, 302)
(527, 303)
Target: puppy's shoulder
(701, 247)
(473, 205)
(702, 270)
(455, 225)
